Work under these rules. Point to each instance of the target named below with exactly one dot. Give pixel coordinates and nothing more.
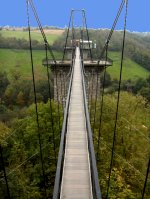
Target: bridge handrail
(94, 173)
(108, 60)
(59, 170)
(67, 59)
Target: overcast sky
(100, 13)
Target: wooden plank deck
(76, 179)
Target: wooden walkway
(76, 179)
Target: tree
(9, 96)
(132, 133)
(4, 82)
(145, 92)
(26, 181)
(5, 131)
(20, 99)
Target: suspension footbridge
(76, 179)
(76, 174)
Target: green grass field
(18, 34)
(20, 60)
(131, 70)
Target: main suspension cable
(118, 98)
(41, 29)
(112, 29)
(35, 98)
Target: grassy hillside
(11, 59)
(20, 60)
(19, 34)
(131, 70)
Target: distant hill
(22, 33)
(137, 46)
(137, 50)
